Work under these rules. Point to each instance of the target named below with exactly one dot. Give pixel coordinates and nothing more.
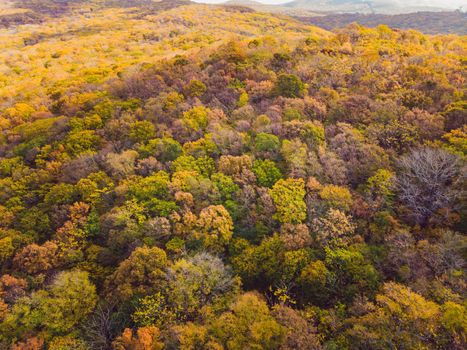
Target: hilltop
(93, 43)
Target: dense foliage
(298, 190)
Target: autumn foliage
(198, 177)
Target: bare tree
(103, 325)
(429, 179)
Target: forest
(185, 176)
(446, 22)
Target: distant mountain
(447, 22)
(361, 6)
(332, 14)
(320, 7)
(257, 6)
(243, 3)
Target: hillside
(453, 22)
(184, 176)
(337, 14)
(94, 43)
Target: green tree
(351, 273)
(195, 88)
(288, 196)
(267, 142)
(142, 131)
(289, 85)
(165, 149)
(266, 172)
(71, 298)
(261, 265)
(78, 142)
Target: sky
(439, 3)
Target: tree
(336, 197)
(261, 265)
(102, 326)
(295, 154)
(190, 336)
(334, 229)
(267, 143)
(362, 158)
(247, 325)
(380, 187)
(146, 338)
(79, 142)
(196, 118)
(400, 318)
(71, 237)
(165, 149)
(314, 279)
(266, 172)
(152, 192)
(7, 249)
(288, 196)
(214, 227)
(457, 141)
(232, 165)
(197, 282)
(195, 88)
(152, 310)
(37, 258)
(121, 164)
(12, 288)
(295, 236)
(142, 273)
(225, 184)
(71, 298)
(289, 85)
(300, 334)
(454, 320)
(352, 273)
(57, 310)
(67, 343)
(142, 131)
(33, 343)
(429, 181)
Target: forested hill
(205, 177)
(92, 44)
(448, 22)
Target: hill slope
(99, 42)
(453, 22)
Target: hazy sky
(439, 3)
